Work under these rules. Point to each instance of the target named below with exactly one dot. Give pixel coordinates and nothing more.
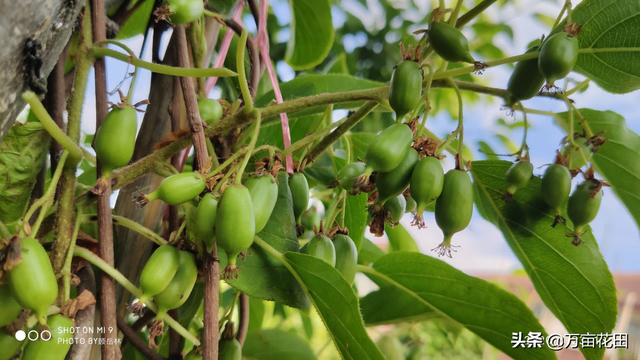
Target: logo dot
(20, 335)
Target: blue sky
(483, 249)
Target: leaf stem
(252, 145)
(131, 225)
(270, 249)
(242, 76)
(578, 87)
(456, 11)
(46, 200)
(128, 285)
(159, 68)
(66, 272)
(75, 153)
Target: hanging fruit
(235, 225)
(176, 189)
(426, 185)
(264, 194)
(517, 177)
(453, 207)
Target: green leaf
(256, 313)
(573, 282)
(274, 344)
(262, 275)
(483, 308)
(356, 217)
(359, 143)
(487, 150)
(400, 239)
(298, 128)
(22, 154)
(137, 22)
(618, 159)
(311, 33)
(337, 305)
(190, 308)
(607, 24)
(338, 65)
(316, 84)
(376, 309)
(369, 252)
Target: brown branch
(211, 268)
(136, 341)
(110, 351)
(191, 101)
(243, 321)
(84, 319)
(174, 111)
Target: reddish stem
(263, 45)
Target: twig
(98, 52)
(211, 268)
(353, 119)
(243, 318)
(136, 341)
(191, 101)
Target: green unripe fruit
(116, 138)
(264, 194)
(391, 348)
(206, 220)
(556, 186)
(387, 150)
(558, 56)
(405, 87)
(210, 110)
(449, 43)
(299, 194)
(517, 177)
(179, 289)
(59, 345)
(10, 309)
(580, 155)
(411, 205)
(396, 207)
(33, 283)
(185, 11)
(583, 208)
(525, 81)
(158, 272)
(454, 207)
(180, 188)
(235, 224)
(9, 345)
(346, 256)
(349, 173)
(396, 181)
(322, 248)
(229, 349)
(426, 185)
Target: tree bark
(50, 23)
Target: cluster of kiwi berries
(584, 203)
